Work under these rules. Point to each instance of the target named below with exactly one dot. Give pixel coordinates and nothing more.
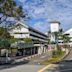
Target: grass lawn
(54, 59)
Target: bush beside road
(49, 63)
(53, 59)
(56, 58)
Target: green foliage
(65, 38)
(56, 53)
(4, 38)
(13, 40)
(4, 34)
(55, 59)
(27, 40)
(4, 43)
(9, 8)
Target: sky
(41, 12)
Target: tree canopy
(4, 38)
(9, 8)
(65, 38)
(4, 34)
(27, 40)
(4, 43)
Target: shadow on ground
(6, 66)
(62, 66)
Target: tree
(58, 49)
(9, 8)
(4, 43)
(4, 34)
(27, 40)
(4, 38)
(65, 39)
(56, 34)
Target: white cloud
(39, 10)
(22, 1)
(41, 26)
(50, 10)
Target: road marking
(46, 67)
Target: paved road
(22, 68)
(38, 59)
(63, 66)
(31, 65)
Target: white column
(40, 49)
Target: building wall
(21, 32)
(21, 35)
(54, 27)
(70, 35)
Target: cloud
(48, 10)
(41, 26)
(22, 1)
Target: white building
(21, 30)
(54, 27)
(69, 33)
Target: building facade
(21, 30)
(39, 39)
(69, 33)
(54, 27)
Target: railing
(22, 45)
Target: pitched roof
(27, 26)
(68, 31)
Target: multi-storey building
(39, 39)
(21, 30)
(54, 27)
(69, 33)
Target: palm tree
(65, 39)
(57, 36)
